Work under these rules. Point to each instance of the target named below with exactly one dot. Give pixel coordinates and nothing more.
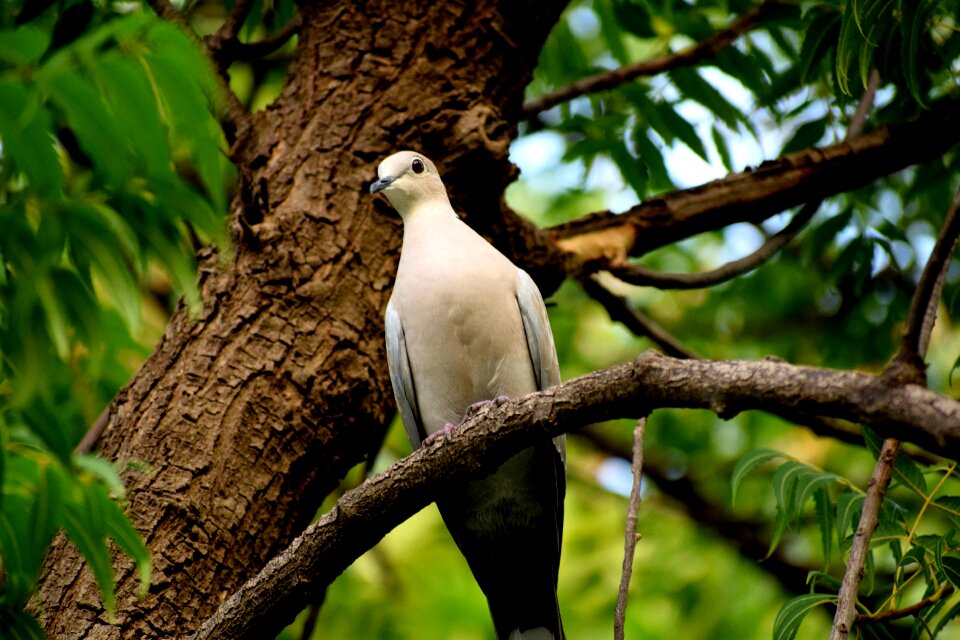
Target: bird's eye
(417, 165)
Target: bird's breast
(466, 340)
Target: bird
(465, 326)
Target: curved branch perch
(364, 515)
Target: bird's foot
(444, 432)
(476, 407)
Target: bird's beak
(381, 184)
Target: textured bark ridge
(247, 416)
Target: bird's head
(409, 180)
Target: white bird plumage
(465, 325)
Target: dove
(465, 326)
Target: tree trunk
(249, 415)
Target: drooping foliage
(112, 166)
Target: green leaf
(817, 41)
(631, 169)
(55, 315)
(102, 470)
(951, 506)
(24, 45)
(126, 87)
(652, 159)
(91, 121)
(694, 87)
(611, 30)
(911, 26)
(793, 612)
(820, 578)
(678, 127)
(746, 464)
(190, 104)
(951, 570)
(25, 132)
(127, 538)
(746, 68)
(17, 624)
(784, 489)
(635, 18)
(806, 136)
(904, 469)
(869, 574)
(720, 143)
(947, 617)
(85, 525)
(809, 484)
(102, 239)
(825, 519)
(849, 505)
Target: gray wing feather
(401, 377)
(543, 353)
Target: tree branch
(621, 311)
(757, 194)
(906, 367)
(247, 51)
(683, 58)
(364, 515)
(926, 298)
(231, 26)
(639, 275)
(847, 599)
(945, 591)
(630, 535)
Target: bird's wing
(543, 353)
(401, 376)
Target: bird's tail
(540, 633)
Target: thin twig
(639, 275)
(847, 599)
(166, 10)
(93, 434)
(621, 311)
(683, 58)
(945, 590)
(231, 26)
(630, 536)
(923, 308)
(743, 535)
(247, 51)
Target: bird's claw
(476, 407)
(444, 432)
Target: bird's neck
(427, 214)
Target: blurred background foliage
(113, 172)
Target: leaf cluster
(112, 168)
(914, 553)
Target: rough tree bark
(252, 413)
